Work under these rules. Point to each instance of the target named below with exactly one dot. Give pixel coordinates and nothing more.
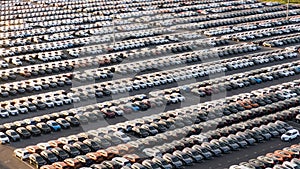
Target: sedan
(63, 123)
(3, 138)
(73, 121)
(43, 127)
(23, 132)
(12, 135)
(33, 130)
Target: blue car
(54, 125)
(297, 70)
(257, 80)
(135, 107)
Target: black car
(33, 130)
(43, 127)
(86, 161)
(60, 153)
(259, 101)
(83, 148)
(49, 156)
(9, 126)
(36, 160)
(103, 142)
(63, 123)
(40, 105)
(255, 135)
(99, 166)
(111, 164)
(23, 132)
(140, 132)
(91, 116)
(92, 144)
(257, 163)
(20, 123)
(82, 119)
(73, 121)
(161, 127)
(71, 150)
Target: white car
(179, 97)
(3, 138)
(171, 99)
(287, 94)
(289, 164)
(48, 102)
(22, 109)
(74, 98)
(4, 113)
(117, 110)
(290, 135)
(152, 152)
(58, 102)
(238, 167)
(44, 146)
(66, 99)
(3, 64)
(13, 110)
(22, 153)
(122, 136)
(121, 161)
(16, 62)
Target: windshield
(62, 153)
(123, 136)
(204, 150)
(39, 159)
(73, 119)
(213, 147)
(195, 153)
(175, 159)
(185, 156)
(154, 165)
(73, 149)
(83, 146)
(160, 125)
(164, 162)
(239, 139)
(264, 132)
(23, 130)
(222, 144)
(94, 144)
(13, 133)
(142, 130)
(44, 126)
(50, 155)
(151, 128)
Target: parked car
(290, 135)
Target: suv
(290, 135)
